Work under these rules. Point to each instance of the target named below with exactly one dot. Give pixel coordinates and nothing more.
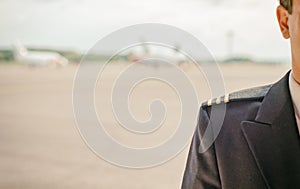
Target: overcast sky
(78, 24)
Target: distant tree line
(7, 55)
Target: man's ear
(283, 17)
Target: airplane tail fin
(19, 50)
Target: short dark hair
(287, 4)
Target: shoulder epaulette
(246, 94)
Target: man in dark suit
(258, 145)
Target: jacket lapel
(273, 138)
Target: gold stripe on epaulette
(226, 98)
(209, 102)
(218, 100)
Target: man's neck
(296, 75)
(296, 70)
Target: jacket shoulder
(242, 95)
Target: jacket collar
(275, 101)
(273, 138)
(295, 95)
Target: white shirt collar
(295, 94)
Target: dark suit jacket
(258, 145)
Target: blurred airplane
(157, 56)
(38, 58)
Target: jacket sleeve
(201, 170)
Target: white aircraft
(38, 58)
(157, 56)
